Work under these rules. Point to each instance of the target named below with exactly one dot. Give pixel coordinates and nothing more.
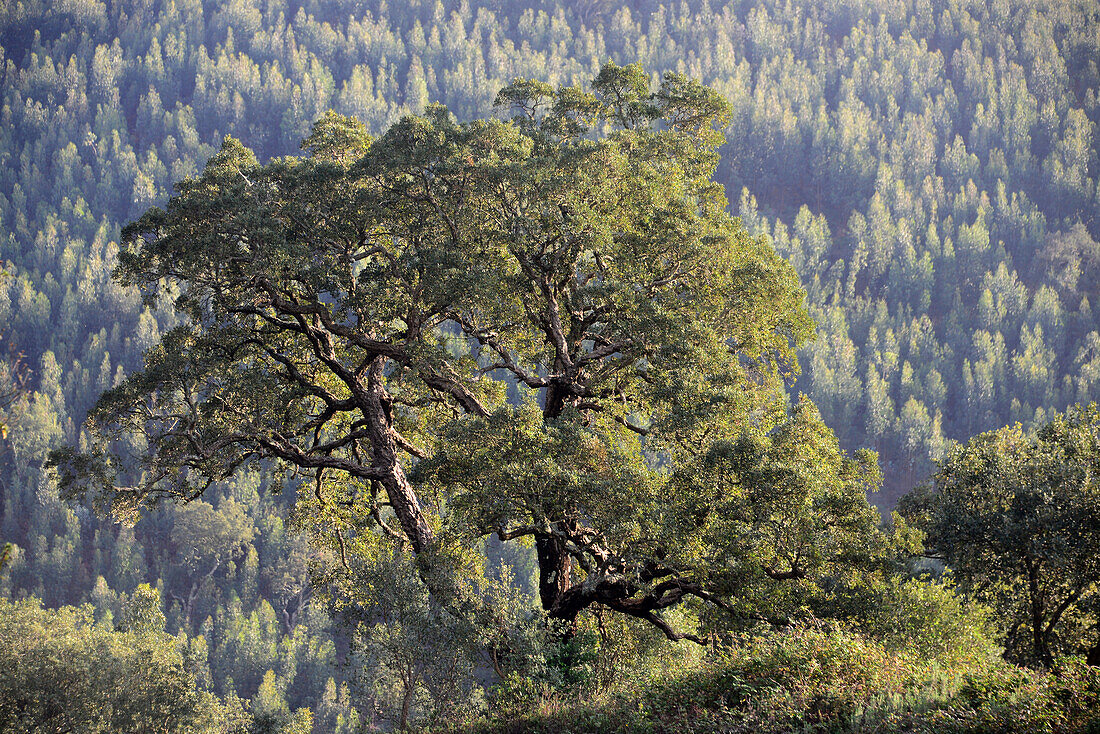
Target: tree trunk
(1092, 656)
(1038, 639)
(555, 401)
(555, 565)
(406, 703)
(558, 392)
(555, 570)
(399, 491)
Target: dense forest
(928, 167)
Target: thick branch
(455, 389)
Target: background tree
(396, 620)
(1014, 517)
(206, 540)
(289, 579)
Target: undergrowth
(821, 678)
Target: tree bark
(384, 448)
(1093, 655)
(555, 565)
(556, 396)
(406, 701)
(555, 570)
(1038, 639)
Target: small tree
(206, 540)
(1015, 517)
(356, 316)
(288, 580)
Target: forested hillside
(928, 167)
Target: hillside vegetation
(928, 167)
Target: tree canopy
(1014, 517)
(547, 326)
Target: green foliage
(1014, 516)
(906, 158)
(206, 537)
(142, 611)
(926, 619)
(782, 515)
(824, 679)
(270, 712)
(396, 621)
(59, 671)
(584, 253)
(1067, 699)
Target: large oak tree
(544, 327)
